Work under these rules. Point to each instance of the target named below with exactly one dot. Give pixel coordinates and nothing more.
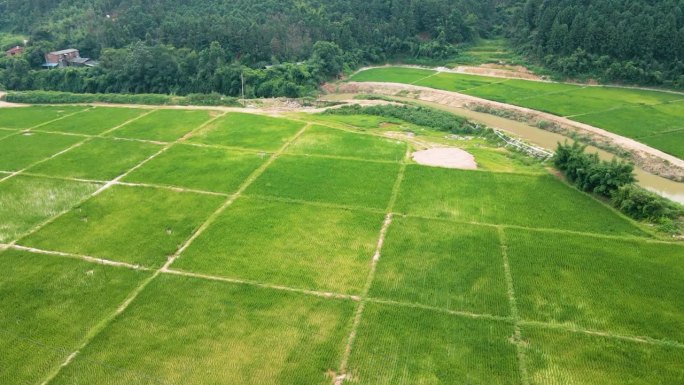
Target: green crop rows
(191, 247)
(652, 117)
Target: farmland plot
(343, 182)
(599, 284)
(256, 132)
(215, 333)
(445, 265)
(22, 150)
(49, 305)
(28, 117)
(398, 345)
(94, 121)
(301, 254)
(99, 159)
(538, 201)
(209, 169)
(136, 225)
(296, 245)
(558, 357)
(26, 202)
(163, 125)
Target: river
(549, 140)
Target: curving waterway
(549, 140)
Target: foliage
(619, 40)
(641, 204)
(280, 48)
(422, 116)
(55, 97)
(615, 180)
(591, 174)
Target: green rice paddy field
(651, 117)
(200, 247)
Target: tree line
(630, 41)
(279, 47)
(144, 69)
(614, 180)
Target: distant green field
(312, 250)
(29, 117)
(163, 125)
(93, 121)
(250, 131)
(99, 159)
(630, 112)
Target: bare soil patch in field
(447, 157)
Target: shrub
(55, 97)
(641, 204)
(591, 174)
(421, 116)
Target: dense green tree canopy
(635, 41)
(178, 46)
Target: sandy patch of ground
(649, 158)
(447, 157)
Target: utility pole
(242, 80)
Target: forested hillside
(633, 41)
(202, 46)
(287, 47)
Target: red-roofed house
(14, 51)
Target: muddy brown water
(549, 140)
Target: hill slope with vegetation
(637, 42)
(173, 46)
(287, 48)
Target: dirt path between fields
(650, 159)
